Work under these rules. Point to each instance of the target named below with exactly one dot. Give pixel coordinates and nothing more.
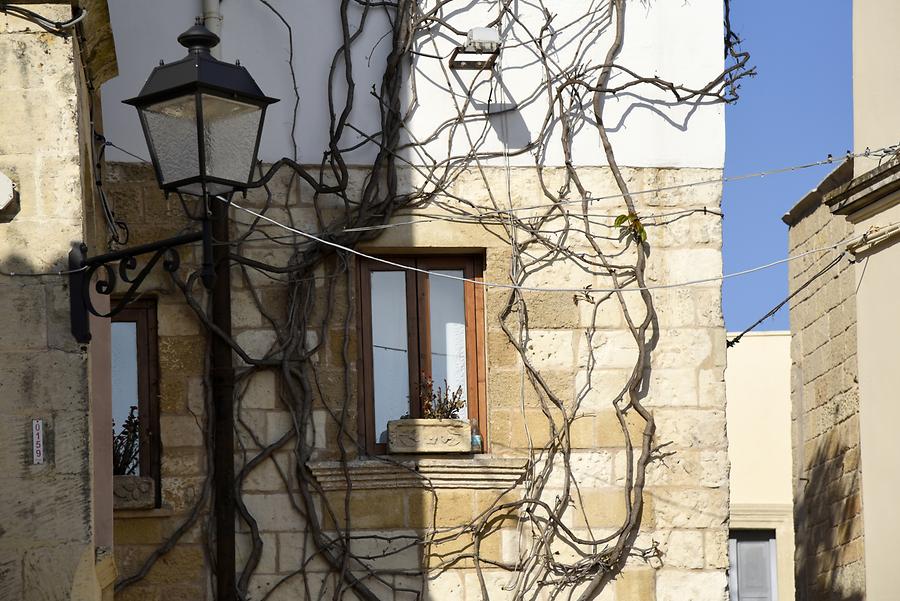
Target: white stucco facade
(668, 39)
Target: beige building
(825, 400)
(588, 456)
(844, 380)
(55, 518)
(843, 383)
(757, 381)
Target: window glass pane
(447, 315)
(752, 569)
(390, 352)
(125, 397)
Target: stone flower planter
(429, 436)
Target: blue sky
(797, 110)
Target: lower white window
(752, 573)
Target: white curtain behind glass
(447, 315)
(390, 352)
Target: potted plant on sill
(439, 430)
(130, 489)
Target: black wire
(776, 308)
(54, 27)
(118, 229)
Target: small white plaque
(37, 440)
(7, 192)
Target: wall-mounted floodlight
(481, 42)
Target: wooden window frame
(418, 335)
(142, 312)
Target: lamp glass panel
(230, 129)
(171, 127)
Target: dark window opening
(135, 392)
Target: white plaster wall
(758, 389)
(678, 41)
(876, 78)
(878, 329)
(758, 422)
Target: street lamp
(202, 119)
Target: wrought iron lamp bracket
(83, 269)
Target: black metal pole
(222, 378)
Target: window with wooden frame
(135, 392)
(417, 325)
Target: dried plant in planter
(126, 445)
(440, 404)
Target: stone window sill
(477, 471)
(141, 514)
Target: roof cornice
(836, 179)
(868, 188)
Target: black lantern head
(202, 119)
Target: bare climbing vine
(412, 178)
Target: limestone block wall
(825, 417)
(394, 503)
(180, 574)
(47, 532)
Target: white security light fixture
(483, 39)
(483, 45)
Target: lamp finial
(198, 38)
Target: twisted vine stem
(347, 216)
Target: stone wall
(825, 416)
(180, 574)
(687, 495)
(47, 528)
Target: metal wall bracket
(485, 60)
(83, 268)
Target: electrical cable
(883, 152)
(830, 159)
(119, 148)
(776, 308)
(501, 285)
(17, 274)
(59, 28)
(118, 228)
(465, 218)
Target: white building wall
(677, 41)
